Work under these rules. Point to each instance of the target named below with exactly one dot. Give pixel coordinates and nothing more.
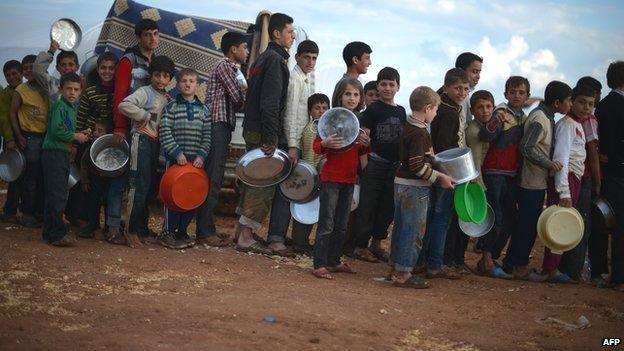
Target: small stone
(315, 340)
(119, 260)
(383, 311)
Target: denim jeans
(572, 261)
(177, 222)
(96, 197)
(456, 243)
(530, 204)
(376, 207)
(502, 196)
(12, 198)
(279, 218)
(31, 180)
(114, 200)
(56, 164)
(410, 222)
(215, 167)
(335, 205)
(438, 220)
(141, 178)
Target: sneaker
(65, 241)
(186, 240)
(169, 240)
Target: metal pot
(11, 165)
(74, 176)
(340, 121)
(457, 163)
(255, 168)
(67, 33)
(478, 230)
(603, 213)
(302, 185)
(108, 156)
(306, 213)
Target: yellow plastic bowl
(560, 228)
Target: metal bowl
(457, 163)
(340, 121)
(306, 213)
(603, 213)
(255, 168)
(11, 165)
(302, 185)
(89, 65)
(108, 156)
(74, 176)
(66, 33)
(478, 230)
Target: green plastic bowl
(470, 202)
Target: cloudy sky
(542, 40)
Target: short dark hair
(583, 90)
(187, 72)
(516, 81)
(372, 85)
(556, 90)
(29, 59)
(278, 22)
(615, 74)
(465, 59)
(307, 46)
(355, 49)
(66, 54)
(104, 122)
(231, 39)
(317, 98)
(389, 73)
(162, 64)
(455, 75)
(70, 77)
(12, 64)
(143, 25)
(341, 87)
(590, 81)
(107, 56)
(481, 95)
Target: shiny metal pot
(67, 33)
(74, 176)
(302, 185)
(340, 121)
(603, 213)
(12, 163)
(255, 168)
(457, 163)
(108, 156)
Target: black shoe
(87, 232)
(169, 240)
(29, 222)
(66, 240)
(185, 239)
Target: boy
(370, 93)
(611, 135)
(412, 186)
(569, 151)
(301, 85)
(317, 105)
(55, 160)
(536, 149)
(225, 96)
(499, 169)
(27, 66)
(357, 57)
(185, 137)
(481, 106)
(385, 120)
(445, 134)
(471, 63)
(66, 62)
(262, 127)
(144, 107)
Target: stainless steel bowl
(306, 213)
(108, 156)
(12, 164)
(89, 65)
(74, 176)
(478, 230)
(67, 33)
(340, 121)
(457, 163)
(603, 213)
(254, 168)
(302, 185)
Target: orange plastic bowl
(184, 188)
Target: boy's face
(187, 85)
(361, 64)
(67, 65)
(285, 37)
(240, 53)
(318, 109)
(99, 130)
(13, 77)
(106, 71)
(583, 106)
(482, 110)
(71, 91)
(474, 73)
(457, 91)
(350, 99)
(387, 89)
(306, 61)
(430, 112)
(517, 96)
(149, 39)
(27, 70)
(160, 80)
(564, 106)
(370, 96)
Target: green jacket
(5, 105)
(61, 126)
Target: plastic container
(470, 202)
(184, 188)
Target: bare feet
(322, 273)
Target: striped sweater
(185, 128)
(415, 155)
(96, 103)
(307, 141)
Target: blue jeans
(177, 222)
(530, 203)
(55, 192)
(502, 196)
(438, 219)
(96, 197)
(410, 223)
(31, 180)
(335, 200)
(114, 199)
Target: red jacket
(341, 166)
(503, 133)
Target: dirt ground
(97, 296)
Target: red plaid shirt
(224, 95)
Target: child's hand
(332, 142)
(364, 138)
(293, 153)
(565, 202)
(21, 141)
(119, 137)
(198, 163)
(268, 149)
(11, 145)
(81, 137)
(54, 46)
(181, 159)
(85, 187)
(445, 181)
(556, 166)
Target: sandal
(285, 252)
(341, 268)
(213, 241)
(532, 276)
(499, 273)
(322, 273)
(560, 278)
(414, 282)
(444, 272)
(364, 255)
(379, 254)
(254, 248)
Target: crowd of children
(526, 162)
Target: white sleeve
(564, 136)
(133, 106)
(290, 114)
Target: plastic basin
(184, 188)
(470, 202)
